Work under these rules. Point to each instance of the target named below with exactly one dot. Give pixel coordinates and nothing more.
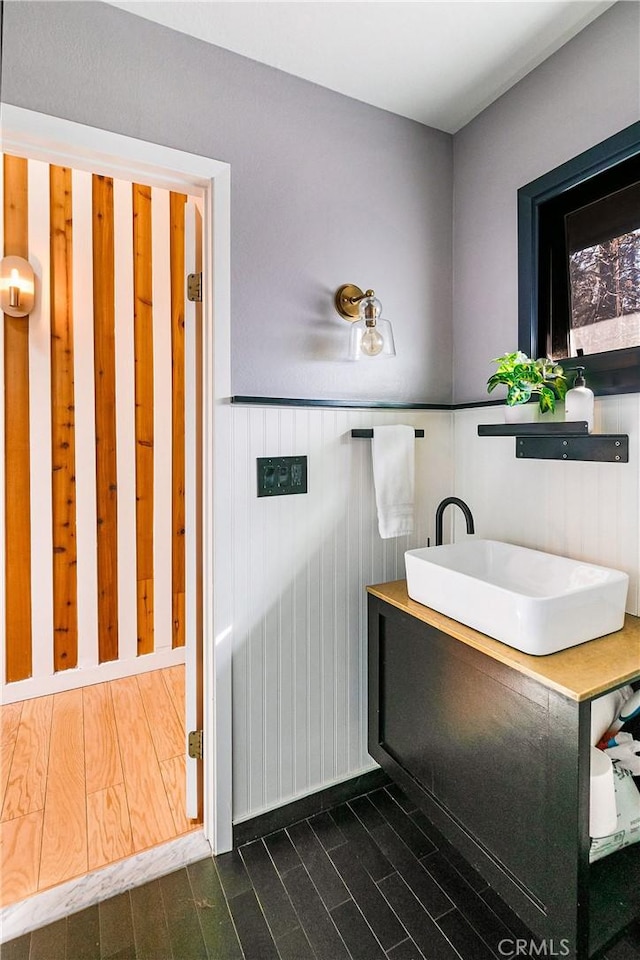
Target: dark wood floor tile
(282, 851)
(267, 884)
(430, 893)
(428, 828)
(367, 813)
(487, 924)
(326, 830)
(465, 939)
(50, 942)
(421, 928)
(401, 798)
(116, 927)
(407, 950)
(17, 949)
(232, 873)
(404, 826)
(364, 891)
(149, 922)
(361, 842)
(215, 920)
(356, 933)
(255, 937)
(183, 922)
(83, 935)
(320, 929)
(318, 865)
(295, 946)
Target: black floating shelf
(368, 434)
(551, 429)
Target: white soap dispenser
(578, 403)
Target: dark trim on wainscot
(290, 813)
(361, 404)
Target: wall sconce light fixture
(371, 335)
(17, 286)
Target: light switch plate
(281, 476)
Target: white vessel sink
(535, 602)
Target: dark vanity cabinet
(496, 754)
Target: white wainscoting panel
(300, 566)
(587, 511)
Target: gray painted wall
(325, 191)
(587, 91)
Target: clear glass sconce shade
(371, 341)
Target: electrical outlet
(281, 476)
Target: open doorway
(70, 142)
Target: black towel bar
(368, 434)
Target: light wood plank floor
(88, 777)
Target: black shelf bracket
(603, 447)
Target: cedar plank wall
(105, 378)
(65, 589)
(69, 646)
(16, 428)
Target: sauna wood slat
(62, 420)
(64, 834)
(145, 614)
(109, 827)
(16, 431)
(9, 724)
(20, 840)
(102, 753)
(105, 416)
(151, 820)
(27, 781)
(167, 730)
(143, 345)
(177, 257)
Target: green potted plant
(525, 378)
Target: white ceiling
(440, 63)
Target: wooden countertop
(580, 672)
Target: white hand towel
(393, 453)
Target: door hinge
(194, 287)
(195, 744)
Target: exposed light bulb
(14, 288)
(371, 343)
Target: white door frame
(36, 135)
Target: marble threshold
(67, 898)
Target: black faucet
(440, 511)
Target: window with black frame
(579, 264)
